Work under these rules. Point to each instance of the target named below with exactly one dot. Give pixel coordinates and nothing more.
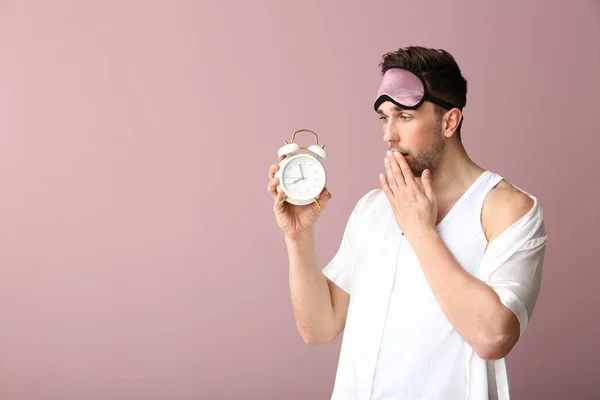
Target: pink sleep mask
(407, 90)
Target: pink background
(139, 258)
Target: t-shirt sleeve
(518, 280)
(340, 270)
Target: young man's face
(415, 133)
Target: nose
(390, 133)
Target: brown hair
(439, 69)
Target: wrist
(298, 244)
(424, 234)
(299, 237)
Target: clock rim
(303, 200)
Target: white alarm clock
(302, 176)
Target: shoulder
(503, 206)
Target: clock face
(304, 177)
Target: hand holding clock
(294, 219)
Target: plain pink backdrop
(139, 258)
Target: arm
(319, 306)
(472, 306)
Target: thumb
(427, 187)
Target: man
(438, 270)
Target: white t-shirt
(397, 342)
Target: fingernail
(385, 160)
(396, 154)
(389, 153)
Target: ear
(451, 121)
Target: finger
(427, 186)
(386, 187)
(323, 199)
(272, 169)
(409, 178)
(397, 172)
(390, 181)
(272, 187)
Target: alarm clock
(301, 173)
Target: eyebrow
(395, 108)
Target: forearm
(471, 306)
(309, 291)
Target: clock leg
(317, 202)
(283, 200)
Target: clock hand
(301, 173)
(299, 179)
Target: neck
(456, 173)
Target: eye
(406, 117)
(383, 118)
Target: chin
(417, 172)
